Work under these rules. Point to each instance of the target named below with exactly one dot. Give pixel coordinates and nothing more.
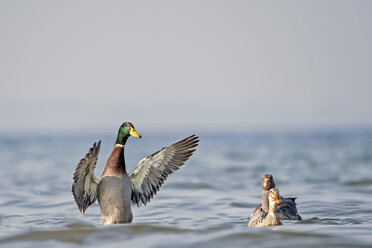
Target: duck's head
(274, 197)
(267, 182)
(125, 130)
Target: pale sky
(208, 65)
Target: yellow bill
(134, 133)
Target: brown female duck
(285, 211)
(271, 218)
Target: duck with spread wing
(116, 190)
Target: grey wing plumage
(84, 187)
(151, 172)
(256, 211)
(289, 210)
(257, 217)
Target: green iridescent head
(125, 130)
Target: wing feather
(84, 187)
(151, 172)
(289, 210)
(257, 217)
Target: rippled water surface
(205, 204)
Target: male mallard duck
(285, 211)
(116, 190)
(271, 218)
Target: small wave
(316, 220)
(329, 221)
(235, 169)
(80, 225)
(76, 236)
(77, 232)
(357, 183)
(238, 155)
(242, 205)
(185, 185)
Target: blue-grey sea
(205, 204)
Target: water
(205, 204)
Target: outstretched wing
(84, 187)
(151, 172)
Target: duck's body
(114, 198)
(116, 191)
(288, 210)
(271, 218)
(257, 217)
(285, 211)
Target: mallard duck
(272, 217)
(116, 190)
(285, 211)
